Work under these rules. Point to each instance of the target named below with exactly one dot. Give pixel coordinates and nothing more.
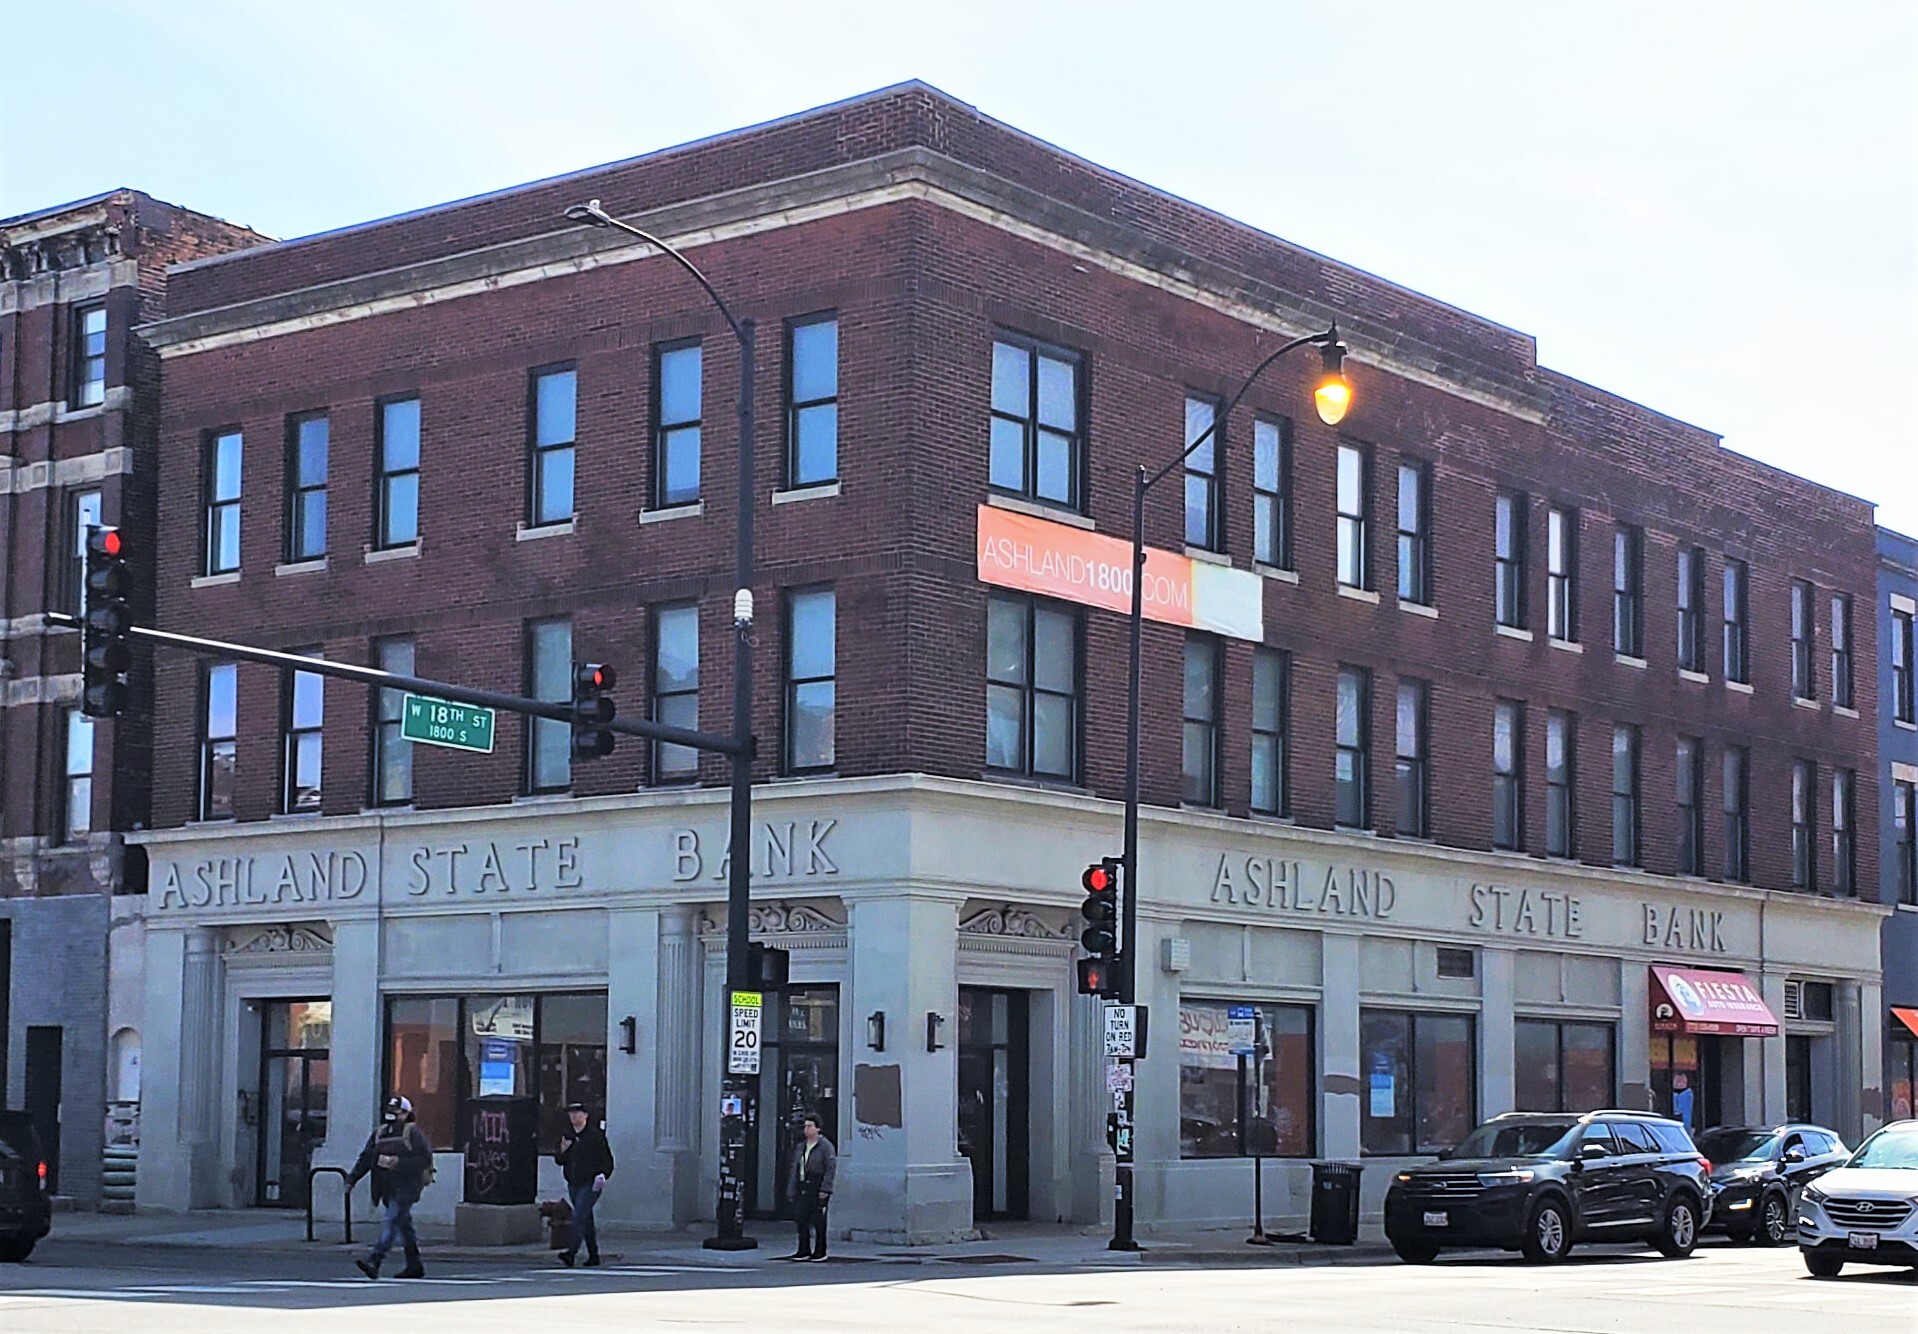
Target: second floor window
(1201, 713)
(1355, 516)
(1037, 448)
(306, 450)
(1415, 531)
(1691, 609)
(89, 357)
(1272, 493)
(1841, 684)
(83, 512)
(1904, 696)
(1508, 775)
(1628, 591)
(812, 660)
(397, 494)
(812, 401)
(219, 739)
(1804, 825)
(1737, 643)
(1561, 573)
(1844, 840)
(549, 677)
(1508, 559)
(392, 753)
(1561, 784)
(1904, 840)
(554, 425)
(1032, 688)
(1202, 528)
(1412, 769)
(1690, 768)
(1352, 731)
(303, 717)
(1737, 804)
(220, 480)
(78, 822)
(676, 407)
(1802, 631)
(1271, 731)
(1625, 808)
(676, 689)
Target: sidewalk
(1055, 1245)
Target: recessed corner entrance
(294, 1038)
(995, 1104)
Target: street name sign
(438, 722)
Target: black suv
(1537, 1182)
(1758, 1172)
(26, 1214)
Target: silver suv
(1865, 1212)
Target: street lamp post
(1332, 396)
(730, 1214)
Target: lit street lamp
(1332, 397)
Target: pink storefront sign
(1696, 1000)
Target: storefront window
(443, 1050)
(1901, 1070)
(1420, 1075)
(1278, 1082)
(1562, 1067)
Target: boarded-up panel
(553, 942)
(1218, 952)
(1537, 978)
(1385, 965)
(1590, 980)
(437, 946)
(1286, 958)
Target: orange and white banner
(1060, 561)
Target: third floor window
(1271, 730)
(1628, 591)
(677, 370)
(1625, 803)
(397, 489)
(1352, 733)
(1561, 573)
(1508, 559)
(89, 357)
(676, 689)
(1508, 775)
(1804, 825)
(1355, 516)
(812, 401)
(1201, 716)
(1844, 840)
(1841, 684)
(219, 739)
(306, 463)
(1412, 770)
(1202, 526)
(1561, 784)
(812, 664)
(1737, 804)
(1690, 770)
(1691, 609)
(1032, 688)
(1272, 493)
(1037, 448)
(1737, 634)
(555, 413)
(220, 480)
(1802, 630)
(302, 718)
(1415, 531)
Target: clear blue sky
(1703, 205)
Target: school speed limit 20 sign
(742, 1042)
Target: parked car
(1866, 1211)
(26, 1211)
(1758, 1172)
(1538, 1183)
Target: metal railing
(346, 1198)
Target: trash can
(1335, 1203)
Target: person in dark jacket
(588, 1160)
(809, 1186)
(398, 1157)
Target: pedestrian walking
(809, 1186)
(588, 1161)
(401, 1163)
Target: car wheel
(1774, 1219)
(15, 1249)
(1415, 1252)
(1822, 1265)
(1680, 1232)
(1548, 1233)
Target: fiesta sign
(1697, 1001)
(1060, 561)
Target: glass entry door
(798, 1077)
(994, 1099)
(294, 1038)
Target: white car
(1865, 1212)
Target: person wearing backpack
(588, 1160)
(401, 1163)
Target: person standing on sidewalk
(401, 1162)
(809, 1186)
(588, 1160)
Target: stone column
(901, 1176)
(1634, 1035)
(641, 1190)
(165, 1181)
(1342, 1084)
(1093, 1171)
(1869, 1041)
(1765, 1059)
(199, 1067)
(358, 1057)
(1497, 1032)
(1848, 1012)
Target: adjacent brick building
(1438, 795)
(78, 421)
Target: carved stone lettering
(1542, 913)
(1281, 887)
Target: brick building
(1473, 758)
(78, 418)
(1898, 830)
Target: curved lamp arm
(1329, 338)
(593, 215)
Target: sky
(1706, 206)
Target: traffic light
(592, 710)
(104, 637)
(1098, 971)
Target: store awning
(1909, 1018)
(1696, 1000)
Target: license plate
(1437, 1219)
(1862, 1241)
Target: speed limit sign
(742, 1042)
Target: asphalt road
(70, 1286)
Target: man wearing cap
(400, 1159)
(588, 1161)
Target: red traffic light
(592, 676)
(106, 541)
(1098, 977)
(1100, 878)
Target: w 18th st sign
(438, 722)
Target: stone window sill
(532, 533)
(1275, 572)
(375, 556)
(1359, 594)
(1699, 678)
(1039, 509)
(671, 512)
(1207, 555)
(1741, 687)
(1904, 724)
(1424, 609)
(216, 580)
(1844, 712)
(820, 491)
(1513, 632)
(1568, 645)
(1627, 660)
(1800, 703)
(300, 567)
